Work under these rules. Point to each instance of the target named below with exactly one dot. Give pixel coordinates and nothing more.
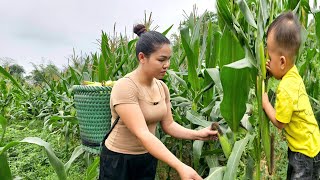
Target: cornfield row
(217, 74)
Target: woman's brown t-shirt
(128, 91)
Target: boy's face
(277, 61)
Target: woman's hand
(187, 173)
(207, 134)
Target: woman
(141, 101)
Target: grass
(28, 161)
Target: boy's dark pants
(303, 167)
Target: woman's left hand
(207, 134)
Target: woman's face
(158, 62)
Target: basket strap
(113, 125)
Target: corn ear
(262, 60)
(264, 125)
(224, 142)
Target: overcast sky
(37, 30)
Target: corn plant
(197, 90)
(239, 18)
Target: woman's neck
(143, 78)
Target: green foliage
(236, 86)
(31, 161)
(16, 69)
(5, 172)
(216, 75)
(7, 75)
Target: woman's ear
(283, 62)
(142, 57)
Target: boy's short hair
(286, 30)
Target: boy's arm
(271, 112)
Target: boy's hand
(265, 100)
(268, 68)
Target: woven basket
(93, 112)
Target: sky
(43, 31)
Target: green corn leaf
(131, 43)
(224, 11)
(180, 80)
(105, 49)
(197, 151)
(209, 107)
(110, 67)
(191, 57)
(215, 76)
(235, 79)
(212, 161)
(197, 119)
(234, 159)
(74, 76)
(6, 74)
(124, 60)
(92, 173)
(75, 154)
(217, 173)
(311, 54)
(202, 91)
(304, 35)
(54, 161)
(230, 48)
(5, 172)
(180, 99)
(264, 11)
(211, 56)
(317, 23)
(294, 5)
(94, 73)
(210, 60)
(102, 69)
(167, 30)
(3, 122)
(7, 146)
(247, 13)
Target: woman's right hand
(187, 173)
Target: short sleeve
(124, 92)
(284, 106)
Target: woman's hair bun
(139, 29)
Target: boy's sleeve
(284, 106)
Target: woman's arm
(133, 118)
(174, 129)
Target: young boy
(292, 111)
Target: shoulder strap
(113, 125)
(164, 90)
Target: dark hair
(286, 29)
(149, 41)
